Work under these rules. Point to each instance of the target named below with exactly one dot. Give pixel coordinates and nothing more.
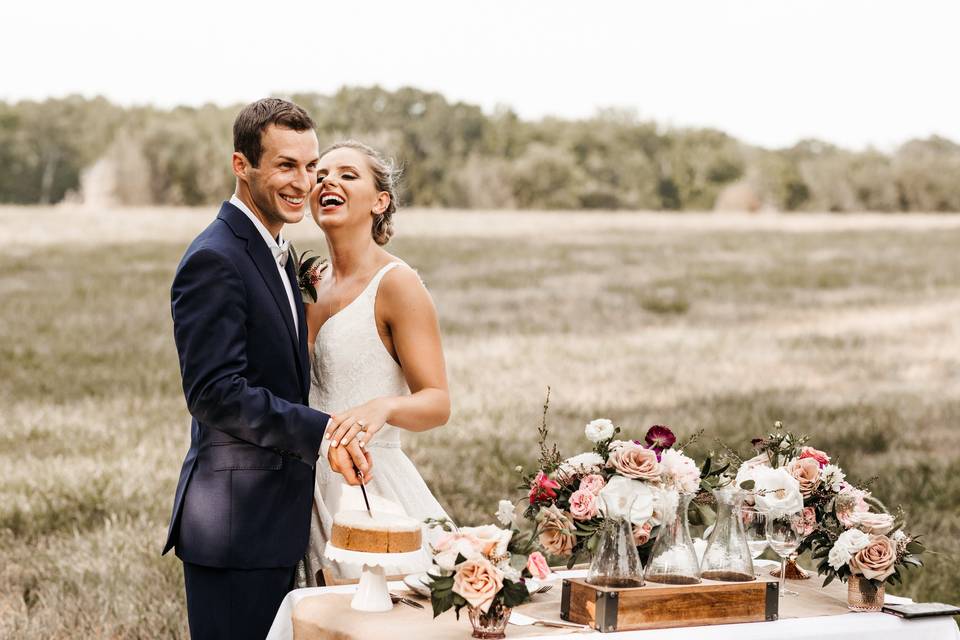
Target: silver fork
(543, 589)
(394, 598)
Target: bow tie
(281, 253)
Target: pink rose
(633, 461)
(821, 458)
(641, 533)
(808, 523)
(850, 502)
(492, 540)
(478, 581)
(543, 488)
(537, 566)
(451, 545)
(583, 505)
(556, 531)
(592, 483)
(679, 471)
(876, 560)
(807, 473)
(875, 523)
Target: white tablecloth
(851, 626)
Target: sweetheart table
(817, 614)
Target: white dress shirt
(275, 249)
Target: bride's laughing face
(346, 193)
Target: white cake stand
(372, 594)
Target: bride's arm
(406, 309)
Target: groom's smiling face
(280, 185)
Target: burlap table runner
(329, 617)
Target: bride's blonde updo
(386, 176)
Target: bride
(375, 340)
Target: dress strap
(378, 276)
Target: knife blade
(363, 490)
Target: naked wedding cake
(383, 533)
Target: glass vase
(727, 557)
(864, 595)
(673, 559)
(615, 561)
(492, 624)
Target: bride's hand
(362, 423)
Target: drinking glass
(783, 536)
(755, 529)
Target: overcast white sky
(854, 72)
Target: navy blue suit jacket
(246, 487)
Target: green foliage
(455, 155)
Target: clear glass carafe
(728, 556)
(615, 561)
(673, 559)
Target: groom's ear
(240, 165)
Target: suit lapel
(267, 266)
(302, 350)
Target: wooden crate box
(658, 606)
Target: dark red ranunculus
(660, 437)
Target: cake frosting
(383, 533)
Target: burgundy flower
(660, 437)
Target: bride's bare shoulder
(402, 289)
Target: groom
(241, 513)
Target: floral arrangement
(848, 530)
(567, 496)
(483, 567)
(309, 273)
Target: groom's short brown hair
(257, 116)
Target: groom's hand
(346, 460)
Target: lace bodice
(351, 366)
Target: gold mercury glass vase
(864, 595)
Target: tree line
(455, 155)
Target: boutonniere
(309, 273)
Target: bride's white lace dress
(351, 367)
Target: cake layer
(384, 533)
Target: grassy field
(844, 327)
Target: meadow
(845, 327)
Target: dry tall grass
(845, 327)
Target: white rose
(599, 430)
(579, 465)
(848, 543)
(749, 467)
(777, 492)
(833, 477)
(506, 513)
(619, 492)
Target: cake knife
(363, 490)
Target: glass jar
(727, 557)
(491, 625)
(615, 561)
(673, 559)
